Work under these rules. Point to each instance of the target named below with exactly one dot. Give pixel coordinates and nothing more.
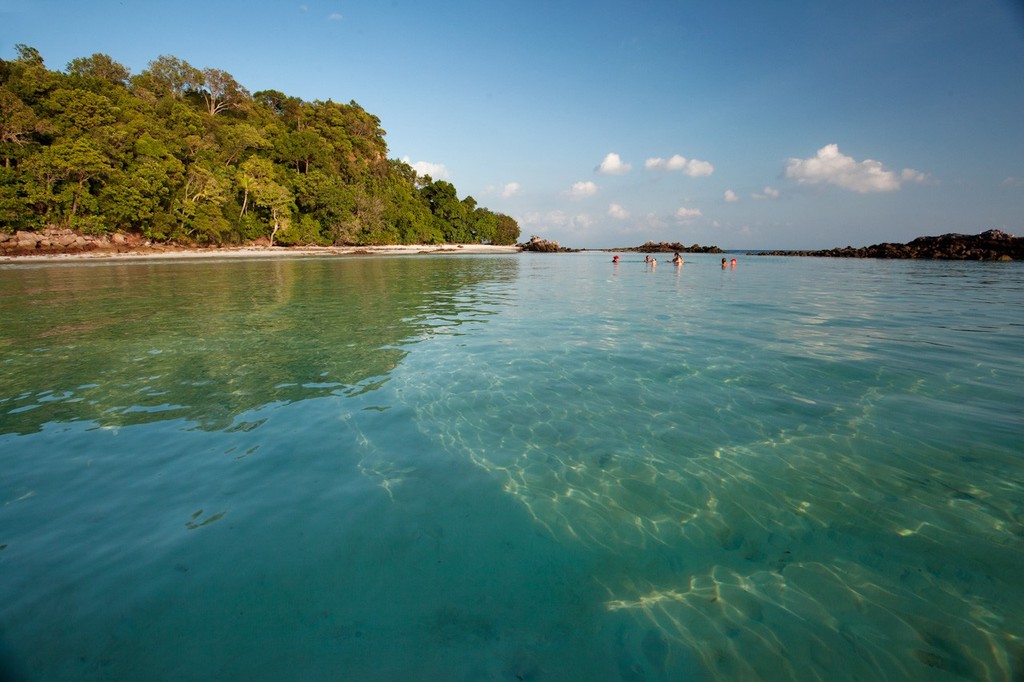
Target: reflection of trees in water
(134, 343)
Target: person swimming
(615, 259)
(677, 259)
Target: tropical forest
(188, 155)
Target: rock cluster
(544, 246)
(991, 245)
(57, 240)
(666, 247)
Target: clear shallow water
(539, 467)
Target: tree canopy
(179, 153)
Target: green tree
(17, 123)
(99, 67)
(29, 55)
(199, 202)
(238, 139)
(27, 76)
(289, 110)
(301, 148)
(483, 226)
(169, 76)
(76, 111)
(449, 213)
(62, 171)
(15, 209)
(139, 196)
(262, 191)
(327, 200)
(508, 230)
(221, 91)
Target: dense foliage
(186, 154)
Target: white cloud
(766, 193)
(582, 189)
(577, 222)
(1012, 181)
(437, 171)
(730, 196)
(645, 224)
(833, 167)
(335, 17)
(617, 211)
(695, 168)
(686, 215)
(676, 162)
(510, 189)
(613, 165)
(911, 175)
(581, 221)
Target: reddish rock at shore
(59, 240)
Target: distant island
(545, 246)
(668, 247)
(991, 245)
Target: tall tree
(263, 191)
(221, 91)
(171, 77)
(289, 110)
(27, 76)
(99, 67)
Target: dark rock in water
(992, 245)
(669, 247)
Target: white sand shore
(171, 252)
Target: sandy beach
(171, 252)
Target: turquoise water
(530, 467)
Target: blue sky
(748, 124)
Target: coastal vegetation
(182, 154)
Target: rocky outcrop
(673, 247)
(993, 245)
(55, 240)
(544, 246)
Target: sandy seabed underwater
(512, 467)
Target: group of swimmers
(676, 260)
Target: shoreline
(181, 253)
